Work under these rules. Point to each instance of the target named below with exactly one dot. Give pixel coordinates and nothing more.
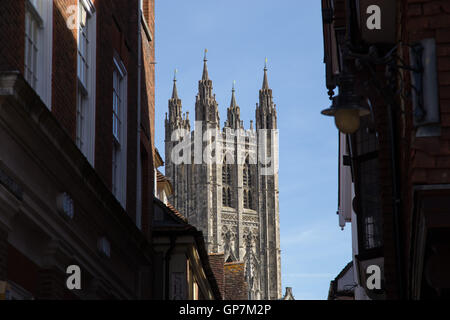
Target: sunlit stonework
(233, 201)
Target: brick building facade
(390, 61)
(77, 153)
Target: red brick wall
(217, 265)
(12, 56)
(22, 271)
(430, 157)
(117, 30)
(424, 160)
(235, 285)
(421, 161)
(64, 68)
(148, 108)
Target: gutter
(396, 203)
(138, 155)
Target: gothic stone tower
(226, 181)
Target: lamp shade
(347, 111)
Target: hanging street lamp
(346, 108)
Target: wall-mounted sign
(378, 21)
(371, 277)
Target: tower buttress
(266, 125)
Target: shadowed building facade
(77, 147)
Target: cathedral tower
(266, 124)
(234, 199)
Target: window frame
(42, 61)
(248, 185)
(119, 143)
(86, 90)
(227, 182)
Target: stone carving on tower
(226, 180)
(252, 264)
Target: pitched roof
(158, 159)
(333, 292)
(176, 213)
(164, 181)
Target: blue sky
(238, 36)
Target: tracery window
(247, 174)
(226, 197)
(248, 185)
(227, 184)
(226, 174)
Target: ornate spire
(234, 113)
(175, 119)
(266, 115)
(175, 91)
(206, 107)
(233, 97)
(205, 67)
(265, 81)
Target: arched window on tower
(248, 185)
(224, 196)
(246, 174)
(226, 174)
(227, 184)
(246, 199)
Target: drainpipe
(396, 203)
(138, 155)
(167, 266)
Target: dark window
(227, 185)
(248, 184)
(246, 199)
(226, 174)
